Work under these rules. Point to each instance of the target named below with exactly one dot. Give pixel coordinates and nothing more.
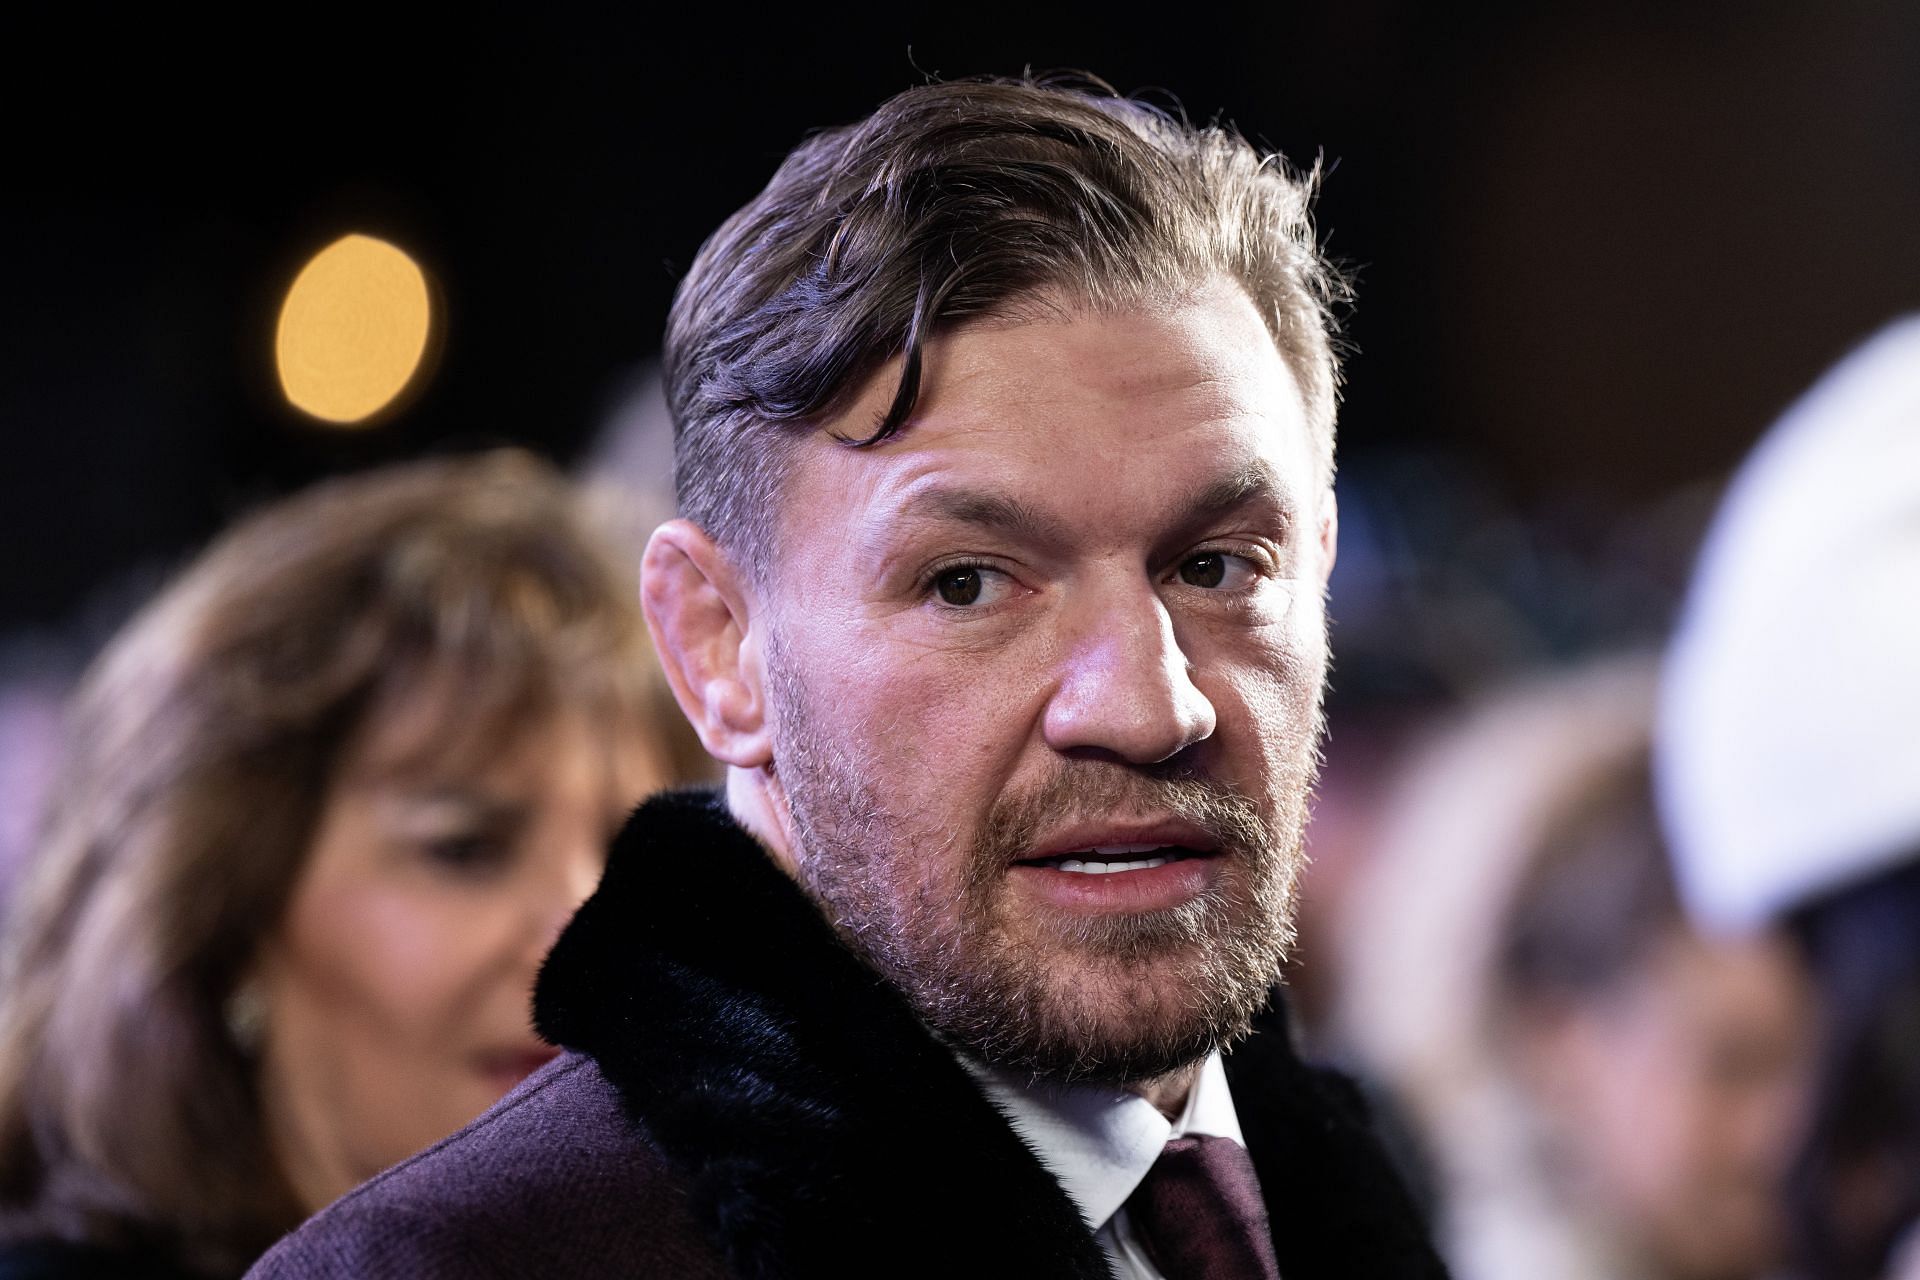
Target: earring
(245, 1013)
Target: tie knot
(1200, 1214)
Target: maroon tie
(1200, 1215)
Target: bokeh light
(353, 330)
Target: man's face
(1044, 674)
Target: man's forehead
(861, 503)
(1208, 343)
(1021, 502)
(1043, 421)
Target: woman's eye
(1213, 570)
(472, 853)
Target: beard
(1111, 999)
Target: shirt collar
(1099, 1141)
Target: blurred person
(1789, 770)
(1004, 444)
(30, 707)
(629, 467)
(324, 805)
(1601, 1091)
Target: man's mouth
(1119, 867)
(1111, 858)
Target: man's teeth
(1106, 868)
(1108, 858)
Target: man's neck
(755, 800)
(1169, 1093)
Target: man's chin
(1101, 1021)
(1117, 1054)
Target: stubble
(1113, 999)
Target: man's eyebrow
(995, 511)
(1253, 482)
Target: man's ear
(698, 608)
(1329, 532)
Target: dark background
(1598, 249)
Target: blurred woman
(1604, 1093)
(325, 805)
(1789, 766)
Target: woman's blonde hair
(201, 747)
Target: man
(1004, 451)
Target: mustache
(1073, 791)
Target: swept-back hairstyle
(953, 202)
(200, 750)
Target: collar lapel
(1336, 1205)
(819, 1129)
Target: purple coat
(742, 1097)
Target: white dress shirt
(1099, 1142)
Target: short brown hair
(200, 748)
(953, 202)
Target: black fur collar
(820, 1129)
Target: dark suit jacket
(742, 1097)
(67, 1260)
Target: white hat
(1788, 738)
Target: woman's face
(396, 990)
(1680, 1096)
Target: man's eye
(960, 586)
(1208, 570)
(1213, 570)
(969, 586)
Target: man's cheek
(930, 757)
(1280, 722)
(1289, 667)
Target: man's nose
(1124, 684)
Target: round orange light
(353, 330)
